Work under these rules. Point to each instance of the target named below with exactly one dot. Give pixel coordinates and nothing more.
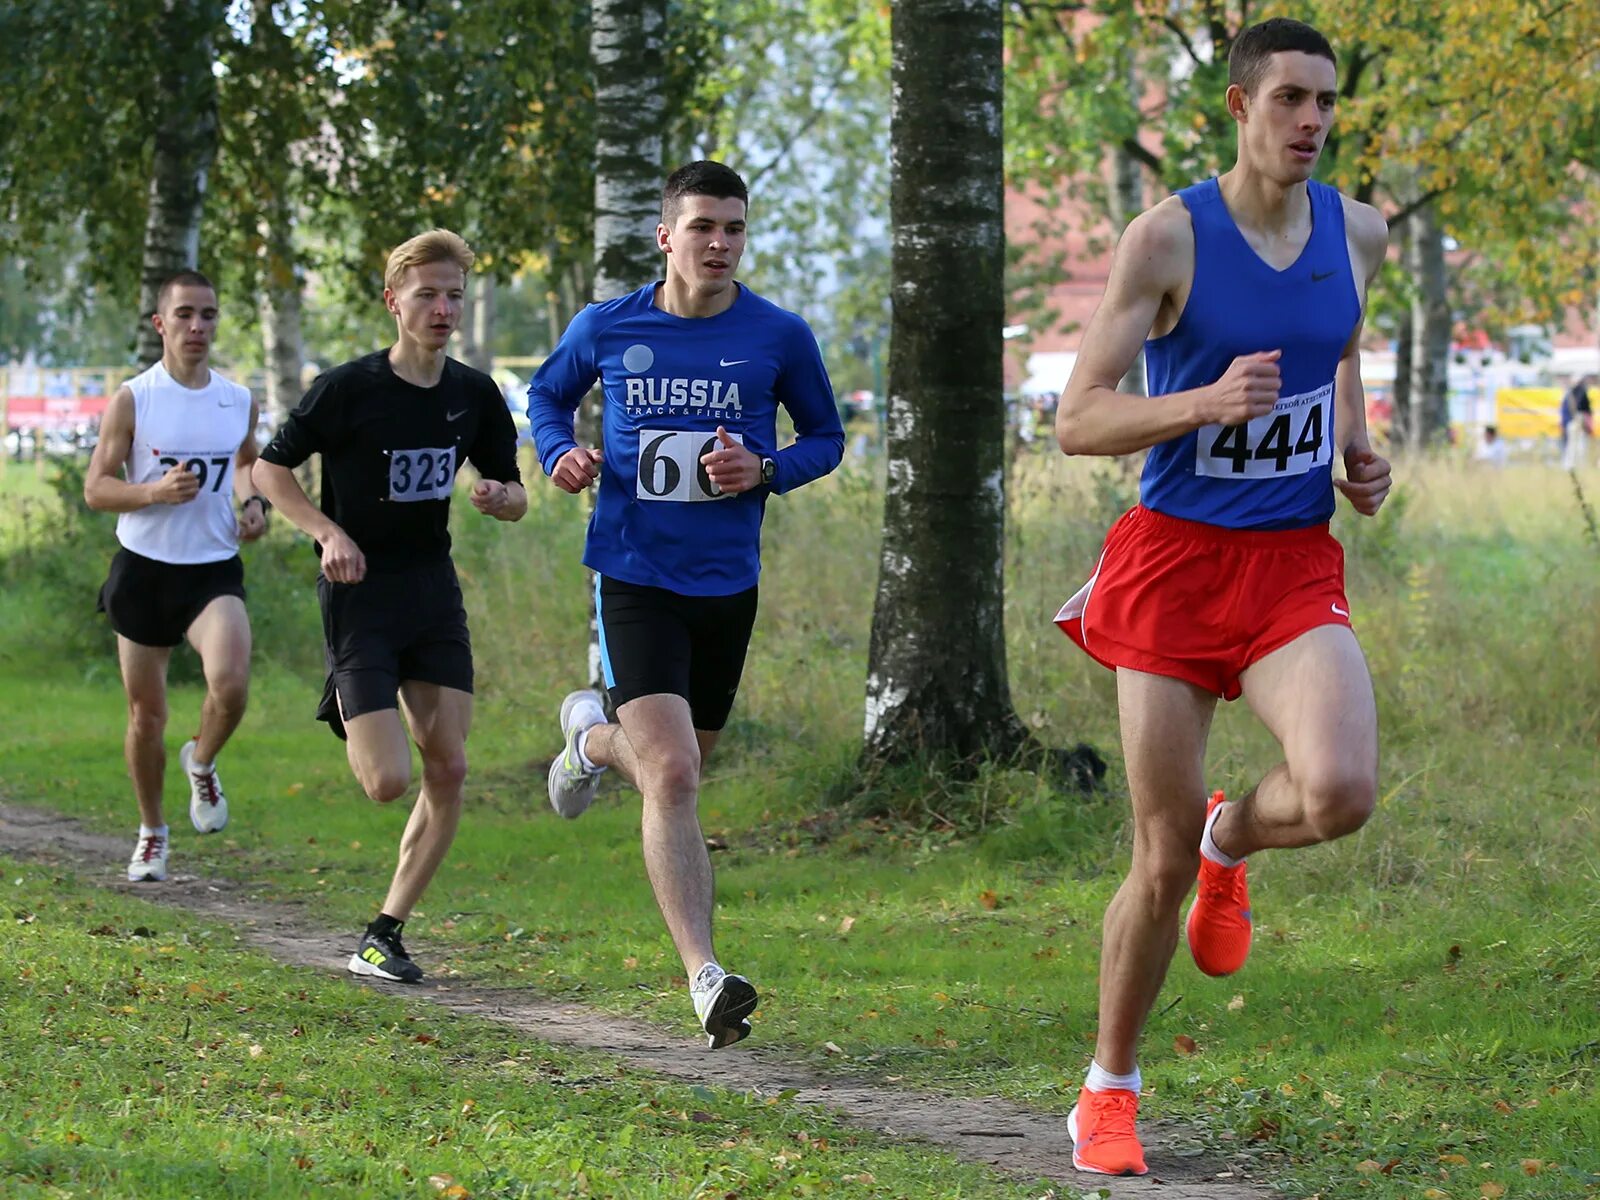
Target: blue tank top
(1276, 472)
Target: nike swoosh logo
(731, 362)
(455, 416)
(1316, 278)
(1341, 612)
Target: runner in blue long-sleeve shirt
(693, 370)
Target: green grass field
(1421, 1016)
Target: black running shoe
(381, 955)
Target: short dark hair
(701, 178)
(185, 278)
(1253, 49)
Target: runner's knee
(673, 780)
(446, 770)
(1165, 869)
(147, 717)
(1338, 801)
(386, 784)
(230, 690)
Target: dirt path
(987, 1130)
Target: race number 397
(669, 465)
(425, 474)
(1295, 437)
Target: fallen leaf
(1532, 1166)
(1368, 1167)
(1185, 1045)
(256, 1051)
(1455, 1160)
(988, 899)
(631, 962)
(831, 1048)
(1236, 1004)
(1500, 1106)
(1435, 1194)
(440, 1182)
(846, 925)
(301, 1161)
(468, 1105)
(1490, 1190)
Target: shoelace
(150, 847)
(209, 791)
(1222, 885)
(1114, 1114)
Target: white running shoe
(149, 861)
(722, 1002)
(572, 785)
(208, 807)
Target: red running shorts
(1202, 603)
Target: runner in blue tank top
(693, 371)
(1247, 293)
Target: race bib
(212, 470)
(1295, 437)
(669, 465)
(421, 474)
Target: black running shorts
(391, 627)
(655, 642)
(153, 603)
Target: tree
(936, 683)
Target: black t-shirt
(390, 451)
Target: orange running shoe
(1103, 1137)
(1219, 918)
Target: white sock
(1209, 848)
(200, 768)
(583, 741)
(1101, 1080)
(145, 831)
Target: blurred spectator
(1492, 448)
(1577, 425)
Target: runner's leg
(1164, 727)
(440, 718)
(221, 636)
(1315, 696)
(144, 678)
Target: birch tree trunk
(477, 324)
(282, 283)
(936, 683)
(626, 47)
(185, 146)
(1430, 332)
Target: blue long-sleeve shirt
(668, 382)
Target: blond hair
(437, 245)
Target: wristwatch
(769, 470)
(266, 505)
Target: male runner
(693, 370)
(183, 438)
(1224, 580)
(393, 428)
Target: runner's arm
(1367, 474)
(103, 491)
(806, 391)
(1153, 264)
(499, 493)
(558, 387)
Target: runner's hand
(1247, 389)
(489, 497)
(731, 467)
(178, 486)
(342, 560)
(1367, 480)
(252, 522)
(577, 469)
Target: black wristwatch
(266, 505)
(769, 470)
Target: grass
(149, 1056)
(1420, 1012)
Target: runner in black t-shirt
(392, 429)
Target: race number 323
(1295, 437)
(425, 474)
(670, 468)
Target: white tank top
(202, 428)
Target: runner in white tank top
(175, 450)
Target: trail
(987, 1130)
